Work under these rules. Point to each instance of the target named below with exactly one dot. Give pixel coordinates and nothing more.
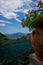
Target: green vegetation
(2, 63)
(24, 59)
(4, 40)
(34, 19)
(19, 39)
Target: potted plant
(34, 21)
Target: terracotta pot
(37, 42)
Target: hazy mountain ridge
(16, 35)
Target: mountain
(2, 36)
(16, 35)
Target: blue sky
(11, 14)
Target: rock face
(34, 60)
(37, 42)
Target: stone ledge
(34, 60)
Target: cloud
(9, 8)
(1, 25)
(10, 15)
(6, 22)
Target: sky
(11, 14)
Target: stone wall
(34, 60)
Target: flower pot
(37, 42)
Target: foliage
(34, 19)
(2, 63)
(5, 40)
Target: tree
(34, 18)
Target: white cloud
(9, 7)
(10, 15)
(18, 20)
(25, 10)
(6, 22)
(1, 25)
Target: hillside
(2, 36)
(4, 39)
(12, 38)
